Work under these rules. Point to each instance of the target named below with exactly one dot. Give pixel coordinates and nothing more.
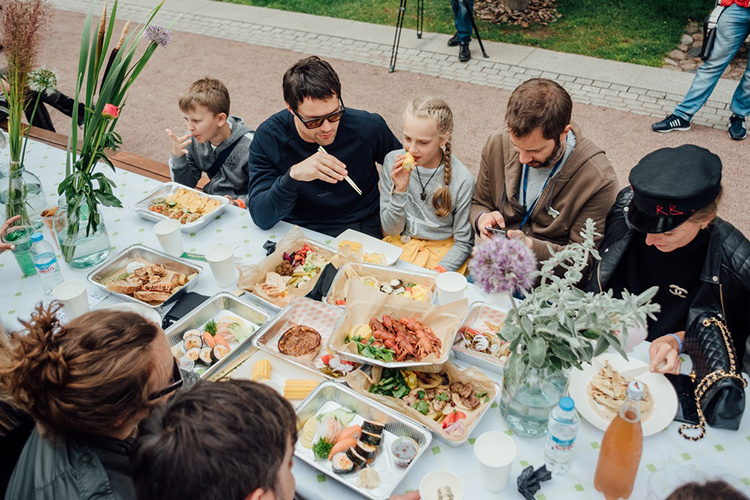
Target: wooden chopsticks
(346, 177)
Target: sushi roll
(358, 460)
(341, 463)
(219, 351)
(366, 450)
(191, 342)
(370, 438)
(194, 353)
(373, 427)
(177, 351)
(191, 333)
(205, 355)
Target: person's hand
(519, 235)
(180, 144)
(489, 219)
(664, 354)
(321, 166)
(400, 175)
(4, 229)
(412, 495)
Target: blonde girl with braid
(424, 207)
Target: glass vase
(530, 396)
(21, 193)
(79, 249)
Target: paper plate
(145, 311)
(665, 397)
(371, 245)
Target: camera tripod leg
(397, 36)
(420, 18)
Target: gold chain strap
(710, 380)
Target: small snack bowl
(403, 451)
(437, 479)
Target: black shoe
(464, 54)
(737, 130)
(453, 41)
(670, 123)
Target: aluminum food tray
(330, 395)
(168, 188)
(132, 252)
(273, 328)
(455, 444)
(480, 360)
(394, 273)
(223, 301)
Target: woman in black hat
(663, 230)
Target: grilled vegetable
(262, 370)
(299, 388)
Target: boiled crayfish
(409, 339)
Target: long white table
(668, 459)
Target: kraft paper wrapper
(363, 302)
(340, 287)
(252, 276)
(361, 382)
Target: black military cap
(670, 184)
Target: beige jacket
(585, 187)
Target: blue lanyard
(525, 184)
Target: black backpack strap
(219, 161)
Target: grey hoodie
(232, 177)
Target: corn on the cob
(355, 246)
(262, 370)
(299, 389)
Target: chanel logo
(679, 291)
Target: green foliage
(636, 31)
(101, 84)
(559, 325)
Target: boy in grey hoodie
(216, 143)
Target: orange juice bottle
(621, 449)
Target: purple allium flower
(158, 35)
(503, 265)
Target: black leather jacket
(725, 278)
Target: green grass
(637, 31)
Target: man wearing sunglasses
(301, 155)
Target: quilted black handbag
(720, 388)
(709, 31)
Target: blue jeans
(462, 19)
(732, 29)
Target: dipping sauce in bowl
(404, 450)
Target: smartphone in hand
(496, 231)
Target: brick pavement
(370, 44)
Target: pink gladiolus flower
(110, 111)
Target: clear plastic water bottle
(45, 263)
(562, 431)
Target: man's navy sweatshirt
(362, 140)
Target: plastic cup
(72, 295)
(221, 260)
(432, 482)
(450, 286)
(20, 236)
(170, 237)
(495, 452)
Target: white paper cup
(450, 286)
(170, 237)
(221, 260)
(72, 295)
(495, 452)
(428, 487)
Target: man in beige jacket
(540, 178)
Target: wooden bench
(121, 159)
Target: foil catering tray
(481, 313)
(330, 396)
(168, 188)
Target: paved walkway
(621, 86)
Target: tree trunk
(519, 5)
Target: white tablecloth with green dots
(668, 459)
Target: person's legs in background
(740, 106)
(463, 10)
(732, 29)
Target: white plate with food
(372, 250)
(599, 390)
(192, 208)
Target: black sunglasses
(317, 122)
(176, 383)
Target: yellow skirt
(424, 253)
